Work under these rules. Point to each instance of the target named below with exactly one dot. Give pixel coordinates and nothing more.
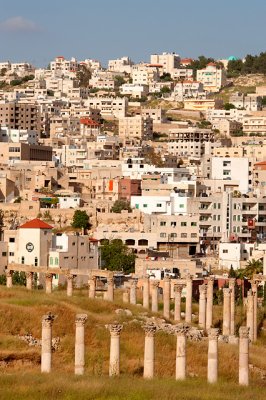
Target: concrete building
(109, 106)
(248, 102)
(20, 116)
(134, 90)
(254, 125)
(122, 64)
(132, 130)
(212, 78)
(190, 142)
(235, 168)
(201, 104)
(187, 90)
(8, 135)
(15, 152)
(169, 61)
(145, 74)
(63, 65)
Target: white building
(145, 74)
(169, 61)
(134, 90)
(213, 78)
(122, 64)
(235, 169)
(109, 106)
(187, 90)
(249, 102)
(69, 202)
(174, 204)
(63, 65)
(8, 135)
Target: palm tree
(253, 267)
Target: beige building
(135, 129)
(108, 106)
(14, 152)
(168, 61)
(145, 74)
(20, 116)
(254, 125)
(202, 104)
(213, 78)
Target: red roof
(211, 64)
(260, 163)
(88, 121)
(36, 224)
(93, 240)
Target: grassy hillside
(20, 378)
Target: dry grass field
(20, 377)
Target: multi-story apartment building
(213, 78)
(14, 152)
(182, 74)
(135, 129)
(187, 90)
(190, 142)
(169, 61)
(254, 125)
(122, 64)
(109, 106)
(145, 74)
(215, 116)
(64, 66)
(20, 116)
(248, 102)
(235, 169)
(135, 90)
(18, 135)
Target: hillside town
(154, 154)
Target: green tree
(165, 89)
(166, 77)
(253, 267)
(116, 256)
(83, 75)
(81, 220)
(120, 205)
(228, 106)
(232, 273)
(3, 71)
(19, 278)
(119, 80)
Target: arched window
(143, 242)
(51, 261)
(130, 242)
(56, 261)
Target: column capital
(203, 290)
(213, 333)
(9, 273)
(166, 279)
(47, 320)
(155, 284)
(70, 277)
(115, 328)
(110, 280)
(29, 274)
(226, 292)
(49, 275)
(243, 332)
(188, 278)
(149, 329)
(133, 283)
(81, 319)
(232, 282)
(178, 288)
(181, 329)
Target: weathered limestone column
(154, 296)
(70, 278)
(188, 299)
(177, 293)
(29, 280)
(226, 311)
(250, 314)
(213, 334)
(181, 330)
(114, 366)
(46, 359)
(209, 305)
(48, 283)
(202, 306)
(166, 296)
(133, 292)
(254, 288)
(232, 282)
(148, 371)
(92, 287)
(9, 275)
(243, 355)
(126, 296)
(146, 292)
(110, 289)
(79, 344)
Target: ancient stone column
(126, 296)
(177, 293)
(46, 359)
(79, 344)
(202, 306)
(226, 311)
(92, 287)
(29, 280)
(70, 285)
(243, 355)
(250, 314)
(166, 296)
(48, 283)
(232, 282)
(110, 289)
(154, 296)
(9, 275)
(148, 371)
(254, 288)
(114, 366)
(146, 292)
(181, 330)
(209, 304)
(213, 334)
(133, 292)
(188, 299)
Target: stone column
(29, 280)
(114, 366)
(181, 330)
(9, 282)
(202, 306)
(177, 293)
(92, 287)
(154, 296)
(146, 292)
(48, 283)
(250, 315)
(133, 292)
(79, 344)
(110, 289)
(148, 371)
(126, 296)
(264, 263)
(70, 285)
(243, 355)
(226, 311)
(46, 359)
(232, 283)
(213, 334)
(188, 299)
(209, 305)
(254, 288)
(166, 297)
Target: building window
(11, 254)
(194, 235)
(181, 205)
(162, 234)
(4, 254)
(193, 223)
(183, 223)
(11, 240)
(22, 260)
(56, 261)
(51, 261)
(145, 205)
(225, 251)
(36, 261)
(159, 205)
(162, 223)
(173, 223)
(183, 235)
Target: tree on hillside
(120, 205)
(229, 106)
(116, 256)
(83, 75)
(81, 220)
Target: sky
(37, 31)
